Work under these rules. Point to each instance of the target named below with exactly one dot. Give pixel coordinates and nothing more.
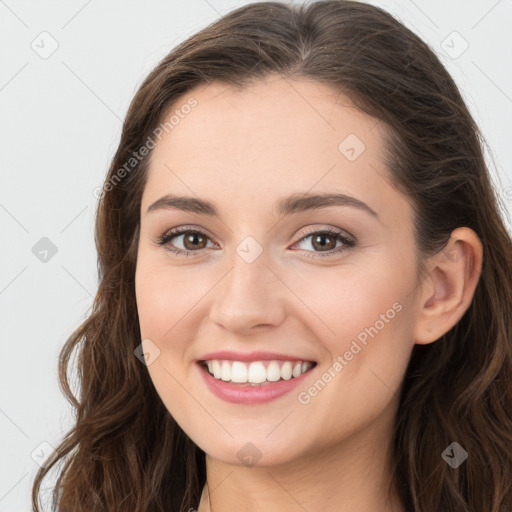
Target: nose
(251, 295)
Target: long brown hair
(126, 452)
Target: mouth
(252, 378)
(255, 373)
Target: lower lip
(247, 394)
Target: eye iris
(192, 237)
(322, 244)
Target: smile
(255, 382)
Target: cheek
(364, 322)
(346, 301)
(164, 297)
(363, 319)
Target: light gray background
(61, 118)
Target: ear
(448, 289)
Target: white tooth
(296, 369)
(210, 366)
(216, 369)
(225, 371)
(286, 370)
(273, 372)
(304, 368)
(238, 372)
(257, 373)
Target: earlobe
(449, 286)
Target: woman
(305, 283)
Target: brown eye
(319, 241)
(325, 242)
(183, 241)
(194, 240)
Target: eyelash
(348, 243)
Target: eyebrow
(295, 203)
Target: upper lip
(258, 355)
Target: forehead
(236, 120)
(275, 137)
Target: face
(266, 278)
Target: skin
(243, 150)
